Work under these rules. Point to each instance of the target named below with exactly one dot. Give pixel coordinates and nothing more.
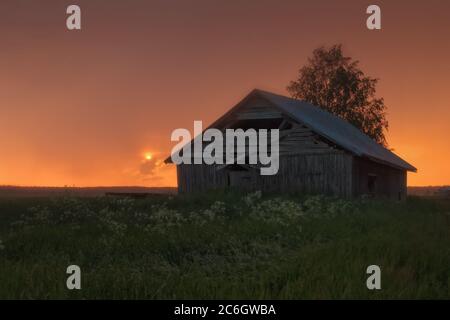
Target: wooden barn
(319, 154)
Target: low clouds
(152, 170)
(147, 167)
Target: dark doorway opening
(239, 177)
(371, 183)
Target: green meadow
(224, 245)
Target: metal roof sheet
(335, 129)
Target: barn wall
(390, 182)
(199, 177)
(329, 173)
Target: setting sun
(148, 156)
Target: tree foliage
(335, 83)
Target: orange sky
(83, 107)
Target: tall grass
(225, 246)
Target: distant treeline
(15, 191)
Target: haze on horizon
(96, 107)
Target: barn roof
(331, 127)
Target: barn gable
(295, 136)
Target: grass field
(224, 246)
